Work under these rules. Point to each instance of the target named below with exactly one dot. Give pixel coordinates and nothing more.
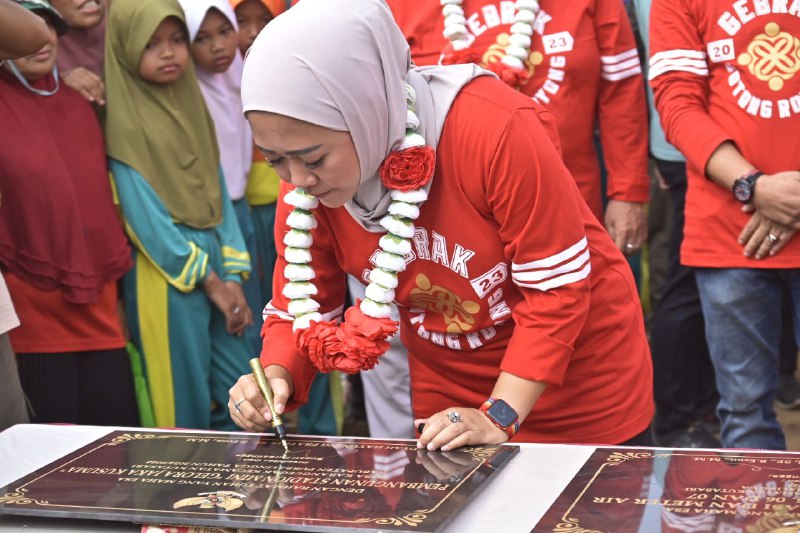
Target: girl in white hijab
(520, 316)
(213, 37)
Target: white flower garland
(399, 223)
(519, 48)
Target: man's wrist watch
(501, 415)
(744, 188)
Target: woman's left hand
(456, 427)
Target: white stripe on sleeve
(627, 54)
(622, 65)
(539, 275)
(693, 61)
(563, 268)
(271, 310)
(554, 259)
(616, 76)
(560, 281)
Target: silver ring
(236, 405)
(237, 310)
(772, 238)
(454, 417)
(631, 246)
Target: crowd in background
(140, 297)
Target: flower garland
(357, 343)
(511, 69)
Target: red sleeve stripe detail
(554, 259)
(616, 76)
(559, 281)
(621, 66)
(271, 310)
(693, 61)
(565, 268)
(619, 58)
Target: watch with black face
(501, 415)
(744, 188)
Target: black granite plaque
(632, 490)
(245, 480)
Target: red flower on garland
(367, 326)
(317, 341)
(351, 347)
(451, 56)
(513, 77)
(409, 169)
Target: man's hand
(626, 222)
(777, 197)
(762, 237)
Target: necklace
(511, 68)
(358, 342)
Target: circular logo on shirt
(773, 56)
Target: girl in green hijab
(184, 299)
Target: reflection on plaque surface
(650, 490)
(246, 480)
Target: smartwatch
(501, 415)
(744, 188)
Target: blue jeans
(742, 311)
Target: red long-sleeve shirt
(726, 70)
(510, 271)
(585, 70)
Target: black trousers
(683, 377)
(94, 388)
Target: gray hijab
(343, 65)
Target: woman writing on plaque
(441, 188)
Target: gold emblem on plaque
(619, 457)
(458, 314)
(226, 499)
(20, 498)
(479, 453)
(127, 437)
(573, 526)
(497, 52)
(410, 519)
(773, 56)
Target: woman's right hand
(252, 413)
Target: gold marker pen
(263, 386)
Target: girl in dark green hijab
(184, 299)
